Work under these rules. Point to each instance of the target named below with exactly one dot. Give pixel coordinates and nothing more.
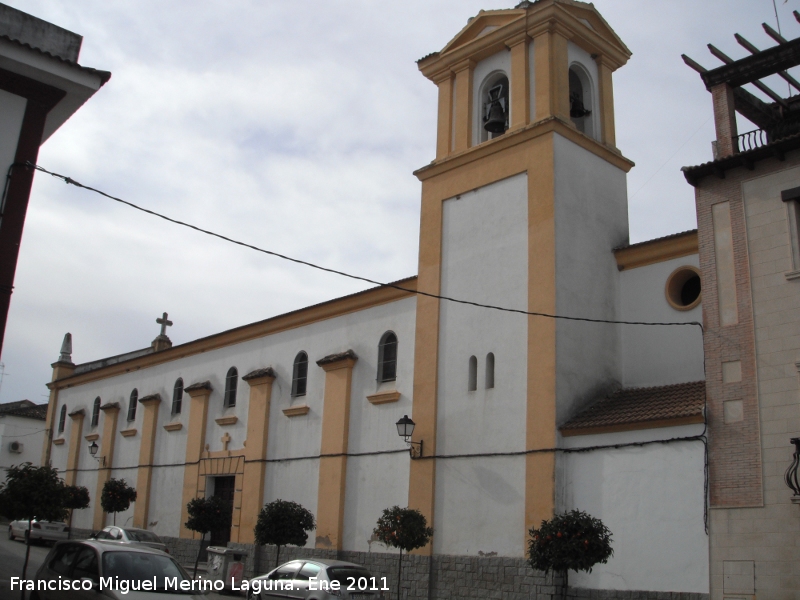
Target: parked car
(318, 579)
(105, 570)
(128, 535)
(40, 530)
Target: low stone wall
(434, 577)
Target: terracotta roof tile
(640, 408)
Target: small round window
(683, 288)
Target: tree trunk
(277, 554)
(115, 518)
(197, 558)
(566, 584)
(27, 555)
(399, 573)
(69, 525)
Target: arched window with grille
(490, 370)
(96, 412)
(177, 396)
(231, 382)
(387, 357)
(62, 421)
(132, 405)
(472, 383)
(300, 374)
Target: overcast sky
(294, 126)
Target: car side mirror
(93, 535)
(95, 585)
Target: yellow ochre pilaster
(255, 451)
(146, 448)
(463, 105)
(335, 433)
(62, 368)
(605, 70)
(444, 129)
(195, 441)
(76, 429)
(519, 81)
(552, 73)
(541, 384)
(111, 412)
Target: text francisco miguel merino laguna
(168, 584)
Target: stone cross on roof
(164, 322)
(162, 342)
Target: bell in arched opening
(495, 108)
(577, 108)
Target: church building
(586, 392)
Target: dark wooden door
(223, 488)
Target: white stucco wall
(651, 498)
(12, 110)
(658, 355)
(591, 218)
(371, 426)
(484, 258)
(28, 432)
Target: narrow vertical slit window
(792, 199)
(96, 412)
(472, 383)
(490, 370)
(300, 374)
(177, 397)
(231, 382)
(132, 405)
(62, 421)
(387, 357)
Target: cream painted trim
(296, 411)
(225, 421)
(656, 251)
(92, 437)
(522, 136)
(384, 397)
(59, 441)
(299, 318)
(173, 426)
(128, 432)
(672, 275)
(675, 422)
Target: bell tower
(521, 208)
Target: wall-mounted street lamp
(791, 472)
(93, 448)
(405, 427)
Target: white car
(40, 530)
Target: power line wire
(70, 181)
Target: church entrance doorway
(224, 488)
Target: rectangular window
(792, 199)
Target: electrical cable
(70, 181)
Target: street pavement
(12, 557)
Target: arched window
(231, 382)
(580, 100)
(62, 422)
(177, 396)
(300, 374)
(132, 405)
(387, 357)
(495, 107)
(490, 370)
(473, 374)
(96, 412)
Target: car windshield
(347, 575)
(143, 566)
(139, 535)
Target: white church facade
(519, 415)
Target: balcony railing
(791, 472)
(761, 137)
